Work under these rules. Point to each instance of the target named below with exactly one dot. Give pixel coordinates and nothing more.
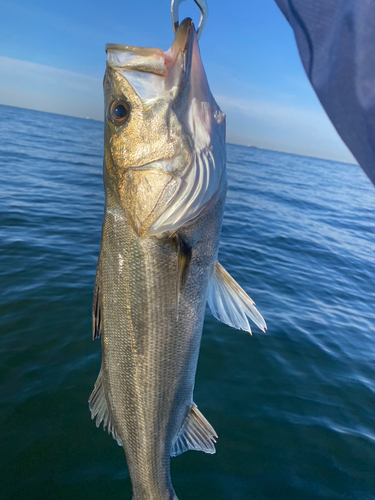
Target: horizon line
(229, 143)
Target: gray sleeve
(336, 41)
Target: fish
(165, 185)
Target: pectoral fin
(230, 304)
(99, 409)
(97, 315)
(184, 259)
(196, 434)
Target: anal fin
(229, 303)
(196, 434)
(99, 408)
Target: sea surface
(294, 408)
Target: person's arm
(336, 41)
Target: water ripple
(294, 408)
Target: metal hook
(202, 5)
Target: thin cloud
(45, 88)
(278, 114)
(285, 127)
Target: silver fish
(165, 186)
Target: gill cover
(166, 163)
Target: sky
(52, 59)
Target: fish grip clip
(202, 5)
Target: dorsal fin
(229, 303)
(99, 408)
(196, 434)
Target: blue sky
(52, 59)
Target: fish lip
(183, 37)
(178, 63)
(182, 45)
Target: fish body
(165, 186)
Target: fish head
(160, 120)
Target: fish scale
(149, 373)
(158, 257)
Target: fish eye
(119, 112)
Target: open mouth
(152, 60)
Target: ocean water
(294, 408)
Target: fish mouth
(173, 64)
(181, 41)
